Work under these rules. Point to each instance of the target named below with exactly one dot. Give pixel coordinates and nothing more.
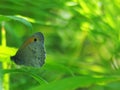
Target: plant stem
(5, 65)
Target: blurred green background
(82, 40)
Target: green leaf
(3, 18)
(73, 83)
(16, 18)
(27, 70)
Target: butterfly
(32, 52)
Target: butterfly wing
(32, 52)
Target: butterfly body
(32, 52)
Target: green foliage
(82, 40)
(8, 18)
(73, 83)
